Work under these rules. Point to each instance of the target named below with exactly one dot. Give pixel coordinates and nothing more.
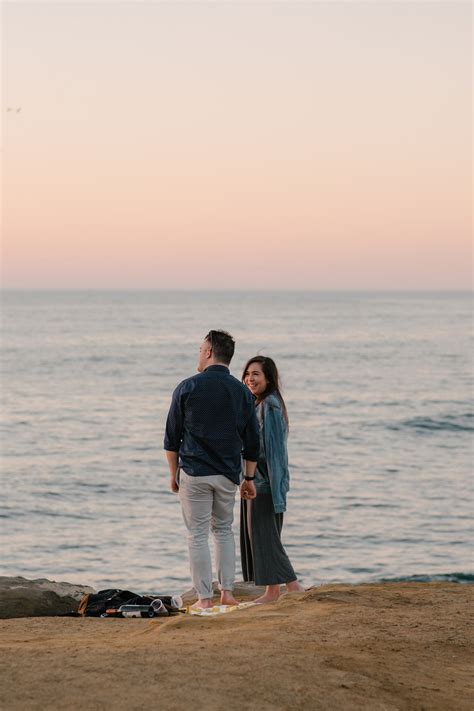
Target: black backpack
(96, 604)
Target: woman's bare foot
(227, 598)
(271, 594)
(294, 586)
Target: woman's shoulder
(272, 401)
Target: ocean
(379, 392)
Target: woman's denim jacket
(273, 436)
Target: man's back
(212, 423)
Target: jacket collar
(218, 368)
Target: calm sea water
(379, 392)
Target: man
(211, 424)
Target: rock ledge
(20, 597)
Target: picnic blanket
(220, 609)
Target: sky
(236, 145)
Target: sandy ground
(385, 646)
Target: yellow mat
(219, 609)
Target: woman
(264, 559)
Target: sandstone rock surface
(20, 597)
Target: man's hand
(248, 490)
(173, 485)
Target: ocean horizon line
(218, 290)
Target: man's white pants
(207, 503)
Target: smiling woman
(262, 379)
(255, 380)
(264, 560)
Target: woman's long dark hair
(270, 372)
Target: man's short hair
(222, 344)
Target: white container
(136, 611)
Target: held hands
(248, 490)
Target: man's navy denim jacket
(212, 424)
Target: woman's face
(255, 379)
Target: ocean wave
(465, 578)
(447, 423)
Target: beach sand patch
(367, 650)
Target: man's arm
(173, 459)
(251, 436)
(251, 450)
(173, 436)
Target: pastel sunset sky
(215, 145)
